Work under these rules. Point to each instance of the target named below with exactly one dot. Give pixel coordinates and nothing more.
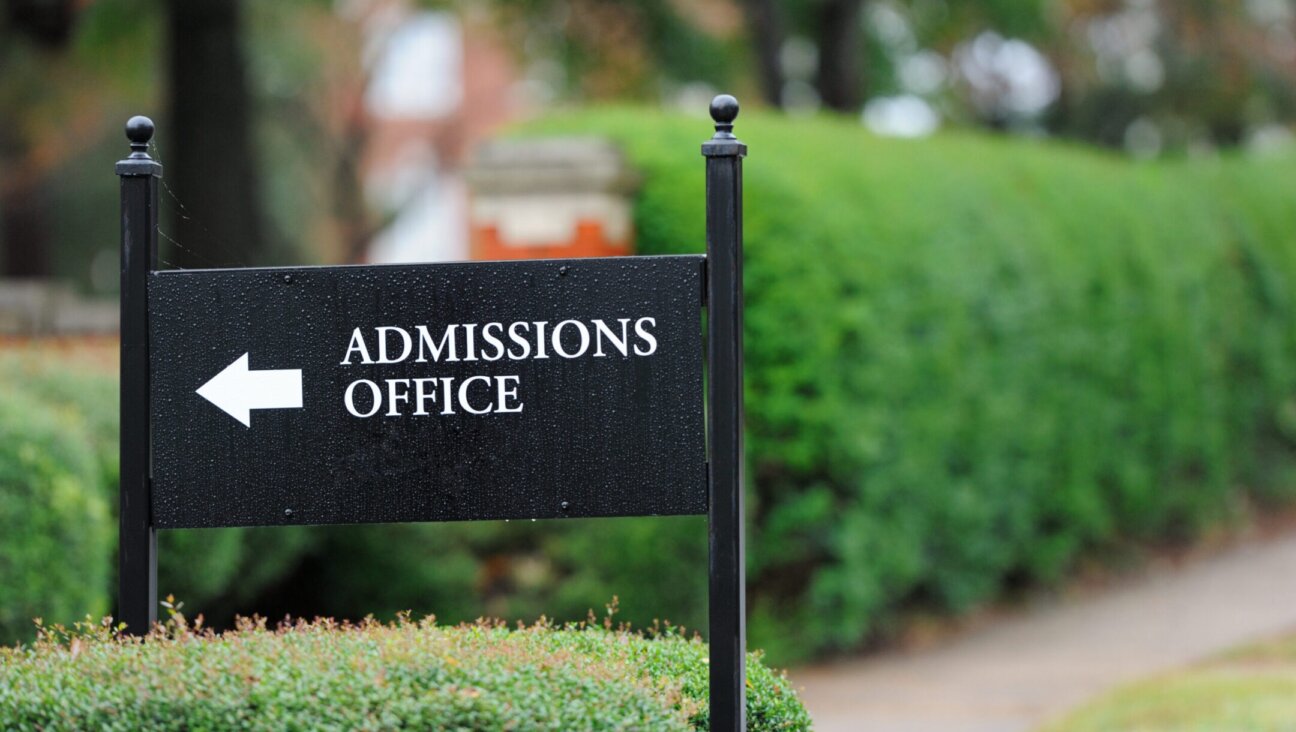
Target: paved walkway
(1019, 672)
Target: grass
(1252, 689)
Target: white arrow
(238, 391)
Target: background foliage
(403, 676)
(58, 488)
(54, 522)
(972, 363)
(264, 130)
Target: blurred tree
(315, 65)
(73, 71)
(840, 40)
(837, 31)
(67, 67)
(620, 49)
(212, 163)
(284, 87)
(31, 31)
(627, 48)
(768, 33)
(1147, 75)
(47, 22)
(24, 223)
(1164, 74)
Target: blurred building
(441, 86)
(562, 197)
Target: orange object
(588, 240)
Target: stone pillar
(550, 198)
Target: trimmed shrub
(402, 676)
(54, 535)
(88, 393)
(972, 361)
(213, 570)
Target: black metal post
(137, 540)
(727, 600)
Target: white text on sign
(466, 342)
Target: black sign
(436, 392)
(536, 389)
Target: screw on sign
(437, 392)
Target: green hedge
(972, 361)
(64, 418)
(375, 677)
(54, 533)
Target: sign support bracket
(137, 550)
(724, 296)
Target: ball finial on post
(139, 130)
(724, 110)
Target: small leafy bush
(55, 535)
(62, 416)
(371, 676)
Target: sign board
(438, 392)
(435, 392)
